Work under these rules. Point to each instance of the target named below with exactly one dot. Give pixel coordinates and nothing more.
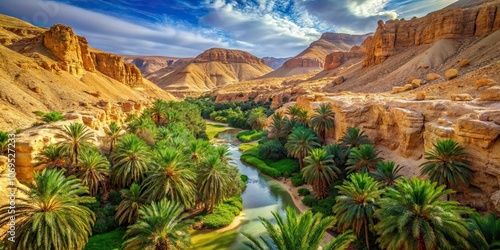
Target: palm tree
(363, 158)
(113, 132)
(298, 232)
(130, 160)
(75, 136)
(157, 111)
(52, 156)
(257, 118)
(159, 227)
(197, 148)
(170, 178)
(387, 172)
(320, 171)
(223, 153)
(93, 170)
(128, 209)
(293, 112)
(484, 231)
(172, 116)
(300, 142)
(50, 214)
(323, 120)
(286, 129)
(447, 164)
(356, 203)
(214, 182)
(354, 138)
(303, 118)
(276, 124)
(340, 154)
(413, 216)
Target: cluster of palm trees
(158, 182)
(375, 202)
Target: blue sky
(185, 28)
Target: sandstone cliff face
(227, 56)
(409, 128)
(75, 56)
(335, 59)
(303, 62)
(449, 23)
(274, 62)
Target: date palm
(50, 214)
(257, 118)
(52, 156)
(320, 172)
(323, 120)
(363, 158)
(356, 204)
(93, 170)
(128, 209)
(300, 142)
(293, 111)
(276, 124)
(75, 136)
(196, 149)
(157, 111)
(353, 137)
(223, 153)
(484, 231)
(130, 160)
(303, 118)
(340, 154)
(447, 164)
(387, 172)
(113, 133)
(170, 178)
(213, 182)
(298, 232)
(160, 226)
(286, 129)
(413, 216)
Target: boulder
(432, 76)
(408, 87)
(461, 97)
(450, 74)
(464, 63)
(483, 82)
(420, 95)
(396, 90)
(416, 83)
(490, 94)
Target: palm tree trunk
(111, 148)
(301, 162)
(366, 232)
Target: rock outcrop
(406, 129)
(274, 62)
(75, 56)
(335, 59)
(227, 56)
(449, 23)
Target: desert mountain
(55, 70)
(313, 57)
(274, 62)
(213, 68)
(151, 64)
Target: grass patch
(224, 213)
(260, 165)
(244, 147)
(214, 129)
(286, 166)
(250, 135)
(108, 241)
(53, 116)
(212, 240)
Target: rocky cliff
(403, 130)
(274, 62)
(336, 59)
(455, 22)
(227, 56)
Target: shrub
(309, 201)
(260, 165)
(36, 124)
(244, 147)
(4, 139)
(224, 213)
(53, 116)
(304, 191)
(272, 150)
(297, 180)
(324, 206)
(250, 135)
(38, 113)
(244, 178)
(115, 198)
(286, 166)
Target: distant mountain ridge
(274, 62)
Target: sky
(182, 28)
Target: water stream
(262, 196)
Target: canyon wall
(449, 23)
(409, 128)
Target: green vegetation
(297, 180)
(303, 191)
(249, 135)
(260, 165)
(295, 231)
(4, 141)
(320, 171)
(214, 129)
(247, 146)
(108, 241)
(224, 213)
(286, 166)
(53, 116)
(38, 113)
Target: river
(262, 196)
